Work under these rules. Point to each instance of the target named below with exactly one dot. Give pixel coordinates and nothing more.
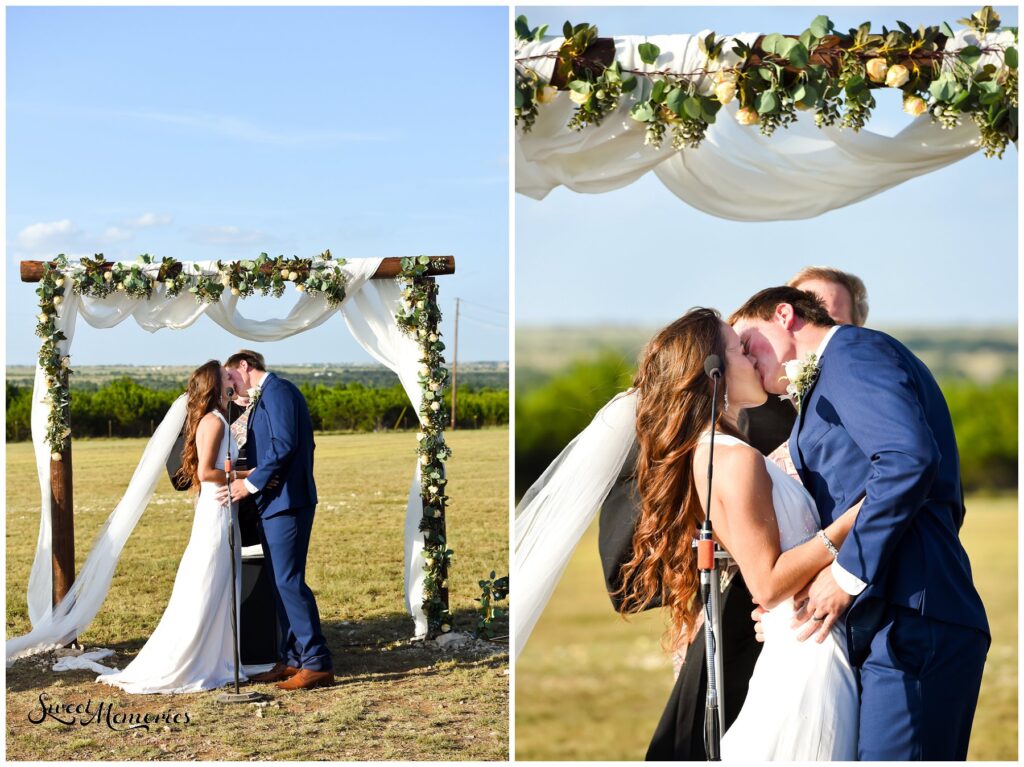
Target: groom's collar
(824, 342)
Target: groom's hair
(253, 359)
(806, 305)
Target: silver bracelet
(828, 544)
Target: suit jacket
(279, 443)
(874, 421)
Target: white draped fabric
(557, 510)
(799, 172)
(369, 311)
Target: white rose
(424, 460)
(65, 362)
(792, 369)
(293, 276)
(430, 561)
(421, 333)
(236, 292)
(437, 513)
(915, 105)
(877, 69)
(897, 76)
(120, 286)
(747, 116)
(579, 97)
(546, 94)
(445, 627)
(432, 489)
(435, 406)
(421, 304)
(225, 280)
(60, 282)
(434, 386)
(301, 288)
(55, 456)
(108, 276)
(44, 317)
(251, 393)
(429, 395)
(725, 92)
(432, 337)
(726, 76)
(424, 370)
(57, 300)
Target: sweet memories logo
(101, 713)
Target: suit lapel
(795, 453)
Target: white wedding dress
(802, 702)
(191, 648)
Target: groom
(279, 445)
(873, 421)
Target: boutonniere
(801, 375)
(254, 395)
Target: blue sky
(938, 250)
(223, 132)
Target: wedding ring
(816, 618)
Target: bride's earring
(725, 396)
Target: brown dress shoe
(276, 674)
(307, 679)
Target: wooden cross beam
(61, 485)
(32, 271)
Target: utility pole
(455, 360)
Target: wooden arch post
(62, 520)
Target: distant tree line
(551, 410)
(124, 408)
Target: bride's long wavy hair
(204, 393)
(673, 409)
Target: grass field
(392, 700)
(592, 686)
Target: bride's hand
(758, 628)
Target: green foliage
(491, 590)
(836, 87)
(556, 409)
(551, 414)
(125, 408)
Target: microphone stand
(708, 556)
(236, 696)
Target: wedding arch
(390, 308)
(704, 111)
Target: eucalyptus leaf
(946, 29)
(821, 26)
(674, 100)
(658, 92)
(692, 107)
(628, 83)
(642, 112)
(1010, 57)
(649, 52)
(767, 103)
(970, 55)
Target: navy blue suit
(279, 443)
(875, 422)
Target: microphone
(713, 366)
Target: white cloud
(42, 236)
(115, 234)
(147, 220)
(229, 235)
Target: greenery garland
(419, 317)
(821, 70)
(96, 277)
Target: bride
(191, 648)
(802, 701)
